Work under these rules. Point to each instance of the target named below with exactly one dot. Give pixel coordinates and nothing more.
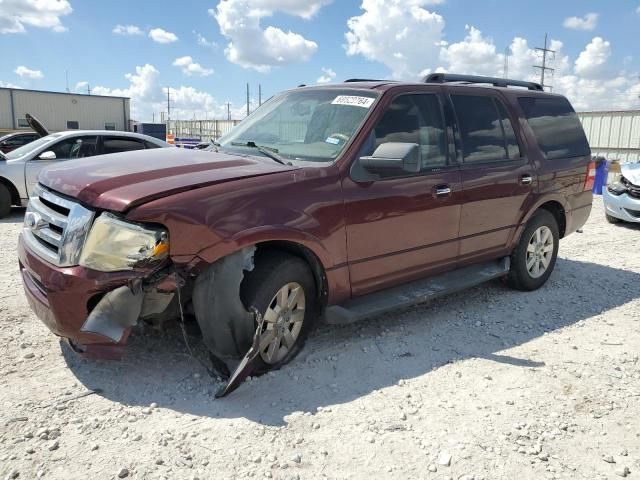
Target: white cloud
(203, 42)
(189, 67)
(16, 15)
(591, 63)
(149, 96)
(401, 34)
(588, 22)
(638, 10)
(328, 75)
(127, 30)
(81, 86)
(252, 46)
(25, 72)
(9, 85)
(475, 54)
(162, 36)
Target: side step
(415, 292)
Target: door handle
(443, 191)
(526, 179)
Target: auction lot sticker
(353, 101)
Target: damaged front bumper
(94, 311)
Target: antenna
(506, 62)
(543, 68)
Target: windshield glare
(305, 124)
(30, 147)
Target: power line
(545, 57)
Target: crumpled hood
(631, 171)
(123, 180)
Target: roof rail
(352, 80)
(497, 82)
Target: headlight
(619, 186)
(114, 245)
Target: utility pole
(545, 58)
(228, 111)
(66, 80)
(88, 89)
(259, 95)
(506, 62)
(248, 106)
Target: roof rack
(497, 82)
(352, 80)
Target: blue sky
(282, 43)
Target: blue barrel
(602, 171)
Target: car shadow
(16, 216)
(343, 363)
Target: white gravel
(487, 384)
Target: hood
(631, 171)
(124, 180)
(35, 125)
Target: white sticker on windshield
(354, 101)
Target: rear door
(66, 149)
(498, 180)
(403, 227)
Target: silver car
(19, 169)
(622, 197)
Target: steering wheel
(341, 136)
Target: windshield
(30, 147)
(305, 124)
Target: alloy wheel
(540, 251)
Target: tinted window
(415, 119)
(513, 148)
(73, 125)
(481, 130)
(556, 126)
(20, 140)
(76, 147)
(150, 145)
(115, 145)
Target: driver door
(67, 149)
(401, 228)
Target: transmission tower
(547, 56)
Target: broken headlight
(114, 245)
(618, 186)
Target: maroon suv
(338, 202)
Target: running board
(415, 292)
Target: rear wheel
(534, 257)
(282, 288)
(5, 201)
(611, 219)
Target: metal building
(62, 111)
(613, 135)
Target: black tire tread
(5, 201)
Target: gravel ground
(486, 384)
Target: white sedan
(622, 197)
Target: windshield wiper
(270, 152)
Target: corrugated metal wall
(54, 109)
(613, 135)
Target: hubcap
(282, 323)
(539, 251)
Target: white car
(19, 168)
(622, 197)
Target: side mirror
(393, 158)
(48, 155)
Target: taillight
(591, 176)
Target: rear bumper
(622, 206)
(63, 297)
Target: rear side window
(149, 145)
(485, 129)
(556, 126)
(115, 145)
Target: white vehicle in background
(19, 168)
(622, 197)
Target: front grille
(632, 190)
(55, 227)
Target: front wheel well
(15, 196)
(305, 254)
(558, 212)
